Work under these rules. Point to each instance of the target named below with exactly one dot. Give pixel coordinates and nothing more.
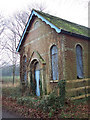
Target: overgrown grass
(28, 101)
(78, 109)
(9, 79)
(11, 91)
(50, 104)
(47, 104)
(80, 101)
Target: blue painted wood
(58, 30)
(25, 59)
(54, 63)
(79, 61)
(37, 77)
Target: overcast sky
(72, 10)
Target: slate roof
(60, 25)
(65, 25)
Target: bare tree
(2, 43)
(13, 32)
(2, 24)
(14, 28)
(38, 6)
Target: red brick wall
(41, 40)
(70, 56)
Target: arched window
(24, 68)
(54, 62)
(79, 61)
(36, 24)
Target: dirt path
(9, 114)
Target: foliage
(75, 111)
(61, 85)
(79, 101)
(9, 79)
(41, 91)
(52, 102)
(12, 92)
(27, 101)
(50, 105)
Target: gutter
(75, 35)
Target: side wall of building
(70, 43)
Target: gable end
(58, 30)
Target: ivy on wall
(62, 91)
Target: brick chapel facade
(52, 49)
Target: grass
(10, 90)
(9, 79)
(78, 109)
(79, 101)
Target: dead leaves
(68, 111)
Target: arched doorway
(35, 77)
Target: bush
(62, 91)
(13, 92)
(52, 102)
(27, 101)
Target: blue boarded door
(79, 61)
(37, 77)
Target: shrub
(27, 101)
(13, 92)
(62, 91)
(52, 102)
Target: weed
(51, 113)
(62, 91)
(49, 104)
(13, 92)
(9, 79)
(27, 101)
(52, 102)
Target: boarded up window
(54, 62)
(79, 61)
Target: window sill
(53, 81)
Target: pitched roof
(60, 25)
